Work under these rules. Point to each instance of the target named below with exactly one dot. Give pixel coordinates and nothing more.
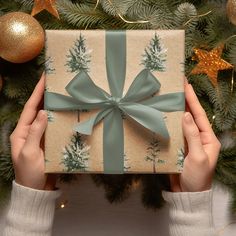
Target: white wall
(87, 213)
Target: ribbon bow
(138, 103)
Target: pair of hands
(199, 164)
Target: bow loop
(144, 85)
(84, 90)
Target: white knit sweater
(31, 213)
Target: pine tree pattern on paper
(180, 158)
(50, 116)
(155, 54)
(126, 163)
(79, 56)
(49, 69)
(152, 154)
(76, 155)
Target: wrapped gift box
(115, 101)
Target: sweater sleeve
(190, 213)
(31, 212)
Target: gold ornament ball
(22, 37)
(231, 11)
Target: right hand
(26, 150)
(203, 149)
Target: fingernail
(188, 118)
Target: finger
(31, 107)
(36, 130)
(185, 147)
(174, 183)
(192, 135)
(197, 110)
(185, 87)
(185, 81)
(51, 182)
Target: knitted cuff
(189, 201)
(30, 211)
(190, 213)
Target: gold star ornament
(49, 5)
(210, 62)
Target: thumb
(192, 135)
(37, 129)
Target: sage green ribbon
(138, 103)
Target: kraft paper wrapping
(164, 156)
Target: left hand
(26, 148)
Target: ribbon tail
(148, 117)
(113, 143)
(56, 101)
(86, 127)
(168, 102)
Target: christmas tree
(154, 57)
(79, 56)
(180, 160)
(153, 151)
(75, 155)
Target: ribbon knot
(115, 101)
(138, 103)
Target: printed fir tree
(153, 154)
(79, 56)
(49, 113)
(126, 163)
(49, 69)
(76, 155)
(50, 116)
(180, 158)
(154, 57)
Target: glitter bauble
(22, 37)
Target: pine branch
(185, 13)
(226, 167)
(5, 190)
(6, 167)
(117, 6)
(117, 187)
(152, 187)
(83, 16)
(232, 207)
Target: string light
(62, 204)
(232, 82)
(212, 119)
